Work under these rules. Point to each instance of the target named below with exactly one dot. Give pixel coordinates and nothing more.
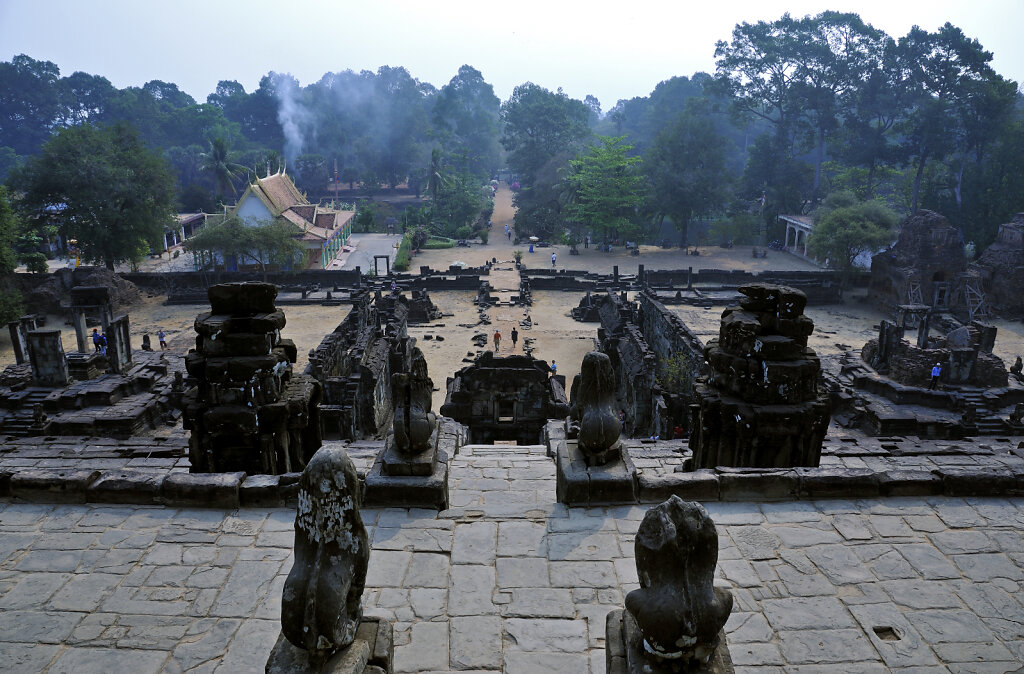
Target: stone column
(119, 346)
(19, 340)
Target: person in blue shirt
(554, 368)
(936, 373)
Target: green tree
(218, 163)
(118, 196)
(265, 244)
(10, 298)
(543, 131)
(845, 227)
(467, 118)
(608, 188)
(29, 103)
(686, 170)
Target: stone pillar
(615, 274)
(922, 330)
(119, 345)
(19, 340)
(640, 278)
(81, 330)
(46, 352)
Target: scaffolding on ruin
(969, 289)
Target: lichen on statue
(321, 602)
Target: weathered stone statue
(320, 607)
(1018, 366)
(411, 393)
(679, 612)
(599, 423)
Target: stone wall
(354, 364)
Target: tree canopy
(607, 189)
(116, 197)
(846, 227)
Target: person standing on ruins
(162, 336)
(497, 340)
(936, 373)
(515, 337)
(96, 339)
(554, 259)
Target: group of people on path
(497, 338)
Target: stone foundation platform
(580, 484)
(624, 651)
(372, 652)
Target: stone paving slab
(512, 581)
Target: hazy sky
(611, 50)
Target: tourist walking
(162, 336)
(497, 340)
(554, 368)
(936, 373)
(554, 259)
(103, 344)
(515, 337)
(96, 341)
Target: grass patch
(438, 242)
(404, 254)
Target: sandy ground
(652, 257)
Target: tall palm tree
(217, 161)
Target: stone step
(510, 450)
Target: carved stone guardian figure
(321, 604)
(411, 394)
(598, 421)
(674, 621)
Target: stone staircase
(986, 422)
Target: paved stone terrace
(509, 580)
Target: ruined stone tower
(761, 406)
(248, 412)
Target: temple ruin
(505, 398)
(248, 412)
(761, 405)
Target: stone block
(5, 484)
(979, 481)
(756, 484)
(371, 651)
(52, 486)
(262, 491)
(698, 485)
(407, 491)
(625, 653)
(415, 463)
(576, 483)
(909, 483)
(838, 482)
(211, 490)
(242, 298)
(126, 486)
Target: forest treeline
(796, 109)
